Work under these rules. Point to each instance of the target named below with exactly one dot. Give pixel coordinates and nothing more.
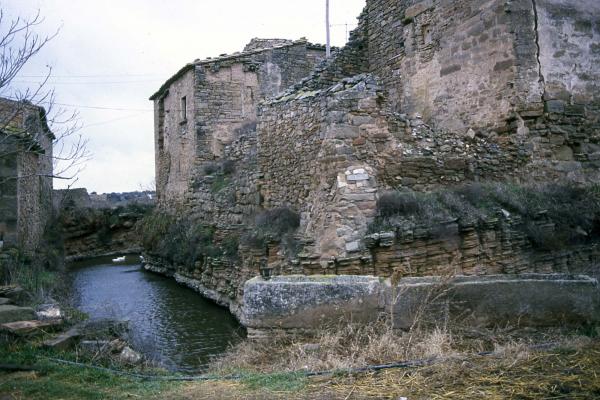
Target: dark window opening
(183, 106)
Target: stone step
(11, 313)
(30, 327)
(15, 293)
(5, 300)
(64, 340)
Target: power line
(104, 108)
(51, 82)
(112, 120)
(92, 76)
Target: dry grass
(355, 346)
(514, 371)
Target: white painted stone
(353, 246)
(358, 177)
(359, 171)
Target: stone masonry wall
(221, 96)
(449, 61)
(26, 174)
(427, 94)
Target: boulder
(5, 300)
(11, 313)
(15, 293)
(129, 356)
(498, 300)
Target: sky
(110, 56)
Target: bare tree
(29, 118)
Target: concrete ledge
(307, 302)
(528, 300)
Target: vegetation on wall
(183, 241)
(277, 225)
(552, 216)
(221, 172)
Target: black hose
(369, 368)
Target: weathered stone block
(528, 300)
(555, 106)
(307, 302)
(10, 313)
(417, 9)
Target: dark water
(168, 322)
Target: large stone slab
(11, 313)
(527, 300)
(30, 327)
(65, 340)
(308, 302)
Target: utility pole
(328, 27)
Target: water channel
(168, 323)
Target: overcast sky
(111, 55)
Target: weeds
(27, 272)
(277, 224)
(184, 241)
(552, 215)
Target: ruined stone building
(209, 103)
(25, 174)
(426, 94)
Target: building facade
(208, 103)
(25, 174)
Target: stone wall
(427, 94)
(26, 174)
(317, 152)
(308, 303)
(221, 96)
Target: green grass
(56, 381)
(219, 184)
(277, 382)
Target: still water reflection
(168, 323)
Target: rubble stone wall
(25, 174)
(221, 95)
(426, 94)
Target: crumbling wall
(26, 175)
(8, 194)
(317, 152)
(175, 139)
(452, 62)
(221, 96)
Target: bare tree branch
(19, 42)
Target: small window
(183, 107)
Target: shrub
(275, 224)
(278, 221)
(574, 211)
(225, 167)
(211, 168)
(230, 247)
